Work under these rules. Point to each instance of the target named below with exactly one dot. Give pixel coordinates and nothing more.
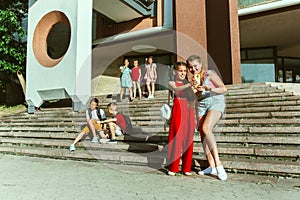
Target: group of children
(195, 89)
(97, 121)
(132, 78)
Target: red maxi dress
(181, 133)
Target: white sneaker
(171, 173)
(95, 140)
(72, 147)
(103, 140)
(221, 173)
(208, 170)
(188, 173)
(150, 96)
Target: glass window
(258, 72)
(260, 53)
(297, 78)
(289, 76)
(280, 76)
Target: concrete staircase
(259, 133)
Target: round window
(51, 38)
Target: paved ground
(38, 178)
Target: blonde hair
(199, 60)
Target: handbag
(165, 112)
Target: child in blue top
(126, 81)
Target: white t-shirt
(94, 114)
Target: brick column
(190, 24)
(223, 38)
(210, 26)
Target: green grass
(8, 110)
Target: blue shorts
(216, 102)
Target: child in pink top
(136, 77)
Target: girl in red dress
(182, 123)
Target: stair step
(263, 140)
(266, 167)
(253, 130)
(263, 104)
(260, 98)
(159, 138)
(257, 91)
(37, 129)
(48, 135)
(265, 122)
(121, 157)
(121, 146)
(286, 152)
(261, 115)
(231, 164)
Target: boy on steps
(119, 124)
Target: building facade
(244, 41)
(60, 34)
(270, 42)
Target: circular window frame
(41, 32)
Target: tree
(12, 49)
(12, 43)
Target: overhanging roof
(115, 10)
(273, 24)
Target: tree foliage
(12, 43)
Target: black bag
(129, 127)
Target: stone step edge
(160, 129)
(227, 115)
(237, 138)
(277, 167)
(287, 152)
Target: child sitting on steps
(119, 124)
(93, 114)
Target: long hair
(203, 69)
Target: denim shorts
(216, 102)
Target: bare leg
(121, 93)
(139, 88)
(112, 128)
(130, 93)
(206, 124)
(153, 88)
(134, 88)
(81, 134)
(148, 88)
(102, 135)
(92, 128)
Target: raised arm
(175, 88)
(220, 88)
(154, 71)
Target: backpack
(128, 128)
